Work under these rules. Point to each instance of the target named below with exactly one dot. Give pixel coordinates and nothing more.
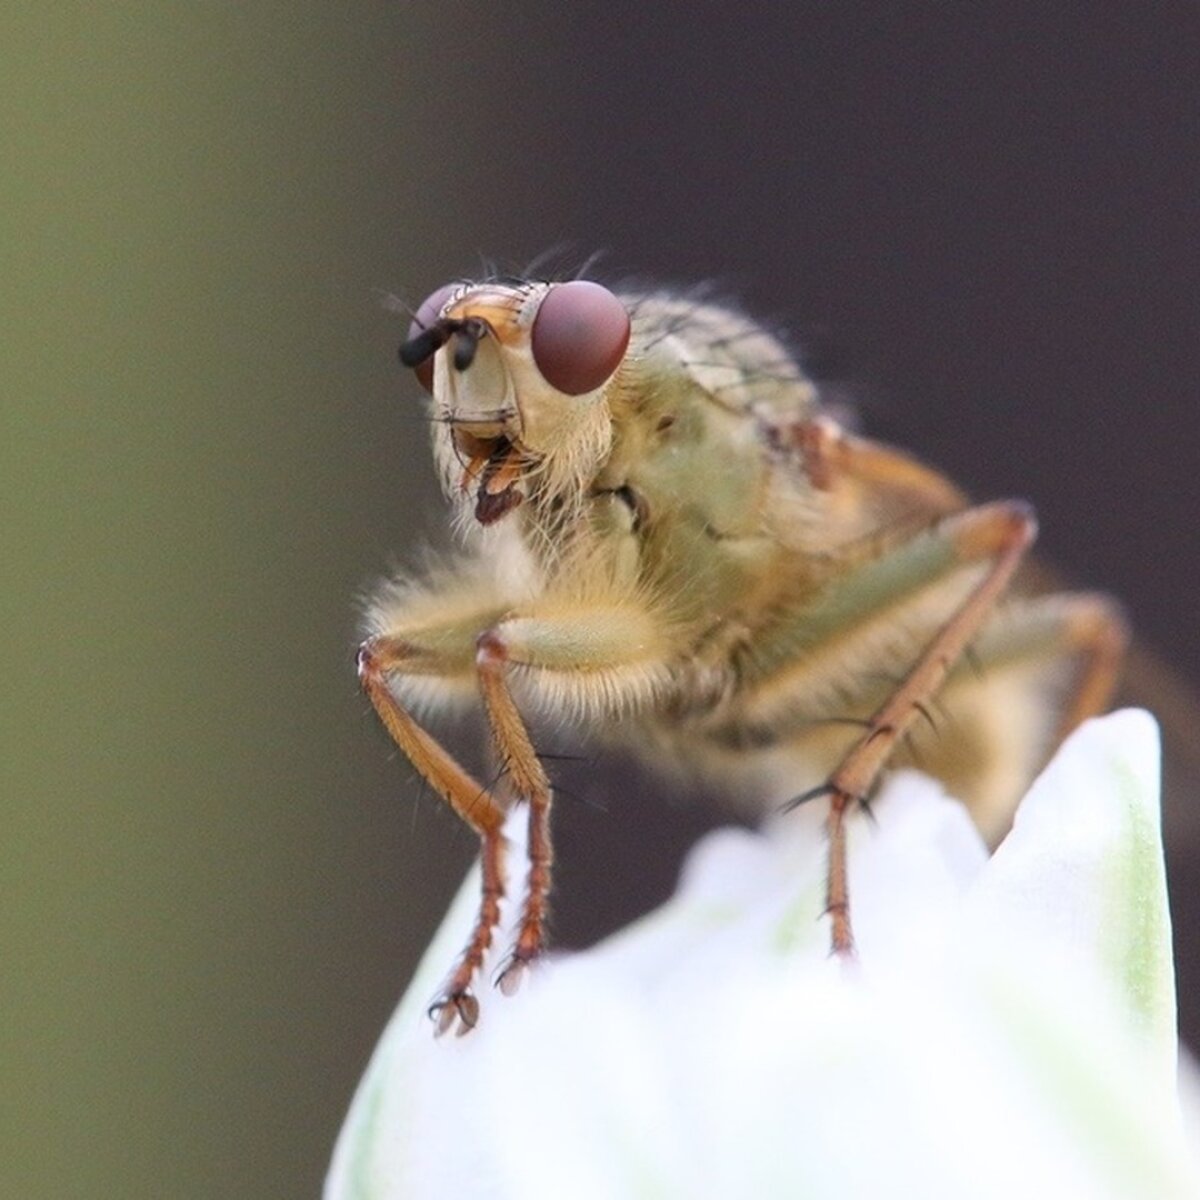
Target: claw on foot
(512, 974)
(454, 1008)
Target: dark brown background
(216, 876)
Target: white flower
(1008, 1029)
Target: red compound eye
(579, 336)
(427, 314)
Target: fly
(668, 540)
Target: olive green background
(214, 877)
(202, 461)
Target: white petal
(984, 1048)
(1081, 875)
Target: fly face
(518, 373)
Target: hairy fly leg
(937, 588)
(998, 534)
(378, 658)
(573, 658)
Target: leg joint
(490, 649)
(366, 661)
(381, 653)
(990, 529)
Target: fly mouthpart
(492, 467)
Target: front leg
(519, 759)
(379, 658)
(592, 658)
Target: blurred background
(216, 877)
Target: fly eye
(579, 336)
(423, 342)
